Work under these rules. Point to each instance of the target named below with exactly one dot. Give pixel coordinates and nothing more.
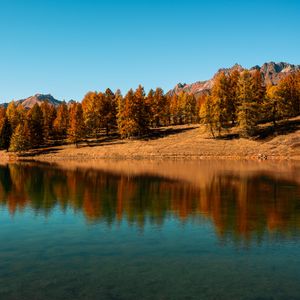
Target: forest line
(237, 99)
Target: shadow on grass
(267, 131)
(113, 139)
(35, 152)
(228, 136)
(282, 128)
(157, 133)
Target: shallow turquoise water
(94, 234)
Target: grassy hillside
(182, 142)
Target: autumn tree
(188, 107)
(35, 121)
(274, 105)
(141, 111)
(20, 140)
(108, 111)
(91, 112)
(288, 90)
(233, 98)
(167, 117)
(22, 113)
(207, 115)
(259, 89)
(13, 115)
(149, 103)
(133, 114)
(157, 106)
(2, 115)
(61, 122)
(49, 115)
(174, 109)
(127, 123)
(99, 110)
(248, 106)
(76, 130)
(220, 102)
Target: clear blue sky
(68, 47)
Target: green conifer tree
(248, 106)
(20, 139)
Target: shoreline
(118, 157)
(188, 143)
(196, 172)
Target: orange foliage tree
(76, 130)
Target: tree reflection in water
(242, 207)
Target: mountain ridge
(30, 101)
(272, 73)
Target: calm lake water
(142, 230)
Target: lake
(150, 230)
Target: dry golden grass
(181, 142)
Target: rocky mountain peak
(272, 73)
(38, 99)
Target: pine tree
(141, 111)
(259, 94)
(35, 122)
(49, 115)
(61, 122)
(108, 111)
(126, 124)
(248, 107)
(167, 117)
(174, 109)
(259, 89)
(207, 115)
(91, 112)
(76, 130)
(133, 114)
(149, 102)
(180, 107)
(188, 108)
(220, 101)
(233, 99)
(20, 139)
(99, 110)
(158, 108)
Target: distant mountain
(272, 73)
(38, 99)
